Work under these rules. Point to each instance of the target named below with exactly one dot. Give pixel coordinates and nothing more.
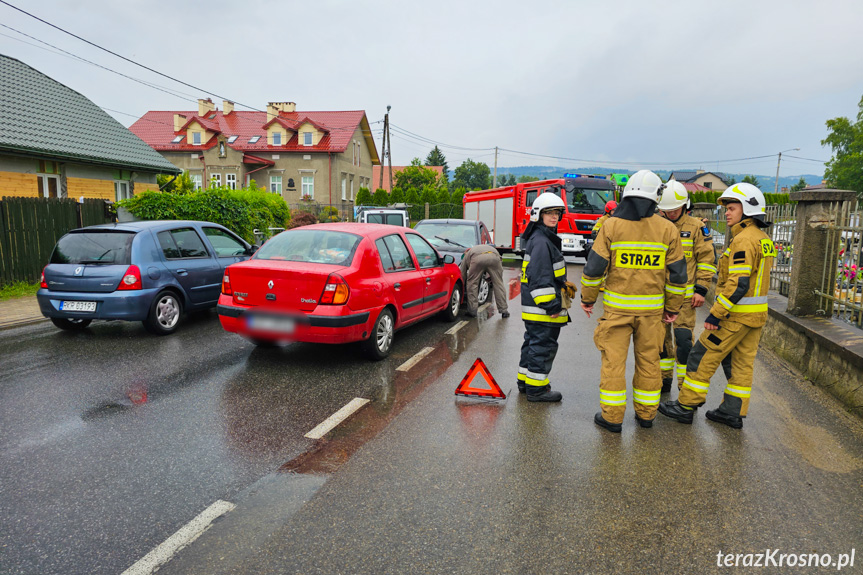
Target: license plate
(78, 306)
(272, 324)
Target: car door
(229, 249)
(191, 264)
(437, 284)
(400, 274)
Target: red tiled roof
(156, 128)
(376, 175)
(695, 187)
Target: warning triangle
(479, 382)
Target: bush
(241, 211)
(330, 214)
(302, 219)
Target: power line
(807, 159)
(430, 141)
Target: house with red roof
(320, 157)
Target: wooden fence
(30, 227)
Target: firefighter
(480, 259)
(610, 206)
(543, 283)
(700, 266)
(641, 256)
(733, 328)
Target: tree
(526, 179)
(472, 175)
(381, 197)
(751, 180)
(397, 196)
(799, 185)
(364, 197)
(436, 158)
(416, 176)
(845, 168)
(731, 181)
(182, 184)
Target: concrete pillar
(815, 211)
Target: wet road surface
(456, 485)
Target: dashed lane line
(456, 327)
(150, 562)
(406, 366)
(328, 424)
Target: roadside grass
(17, 289)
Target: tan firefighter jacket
(744, 276)
(646, 271)
(699, 253)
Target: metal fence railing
(841, 281)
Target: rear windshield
(94, 247)
(458, 235)
(314, 246)
(391, 219)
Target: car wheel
(165, 314)
(380, 342)
(70, 324)
(484, 290)
(450, 313)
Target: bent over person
(478, 260)
(543, 281)
(733, 328)
(641, 256)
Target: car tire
(380, 342)
(166, 313)
(70, 324)
(484, 291)
(450, 312)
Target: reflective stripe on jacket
(543, 275)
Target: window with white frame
(276, 184)
(307, 138)
(196, 180)
(49, 186)
(344, 187)
(121, 190)
(231, 181)
(352, 187)
(215, 180)
(309, 187)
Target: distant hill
(766, 183)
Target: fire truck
(506, 210)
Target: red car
(338, 283)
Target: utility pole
(389, 147)
(494, 183)
(776, 186)
(384, 137)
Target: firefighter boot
(644, 422)
(721, 417)
(675, 410)
(542, 393)
(600, 421)
(666, 384)
(522, 387)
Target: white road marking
(185, 535)
(456, 327)
(482, 308)
(415, 359)
(336, 418)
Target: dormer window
(277, 138)
(177, 139)
(196, 138)
(254, 139)
(307, 138)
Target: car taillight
(336, 291)
(226, 284)
(131, 279)
(42, 282)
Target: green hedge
(241, 211)
(711, 197)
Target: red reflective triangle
(487, 386)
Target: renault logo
(270, 285)
(78, 270)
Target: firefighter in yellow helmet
(700, 266)
(543, 309)
(641, 256)
(733, 328)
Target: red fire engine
(506, 210)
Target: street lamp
(776, 186)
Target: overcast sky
(668, 85)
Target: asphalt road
(112, 439)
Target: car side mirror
(448, 259)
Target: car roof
(357, 228)
(139, 226)
(449, 221)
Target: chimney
(227, 107)
(205, 106)
(272, 111)
(699, 171)
(179, 120)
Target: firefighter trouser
(733, 345)
(612, 337)
(537, 352)
(678, 344)
(491, 264)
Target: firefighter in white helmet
(543, 306)
(640, 254)
(700, 266)
(733, 328)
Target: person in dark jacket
(543, 281)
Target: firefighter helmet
(644, 184)
(546, 201)
(610, 206)
(673, 196)
(749, 196)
